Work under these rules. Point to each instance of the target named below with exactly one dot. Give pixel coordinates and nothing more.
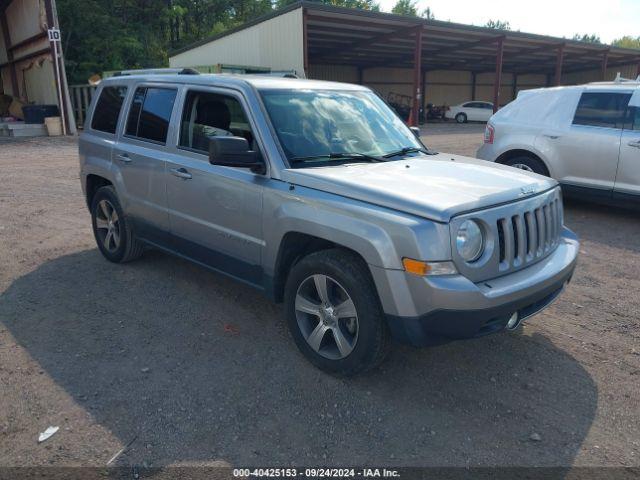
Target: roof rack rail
(158, 71)
(620, 79)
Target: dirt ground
(191, 368)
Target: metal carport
(366, 40)
(386, 51)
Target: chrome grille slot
(502, 256)
(532, 235)
(519, 234)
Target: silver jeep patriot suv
(317, 194)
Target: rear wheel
(529, 164)
(461, 118)
(111, 229)
(334, 314)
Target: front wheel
(334, 314)
(461, 118)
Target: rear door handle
(552, 137)
(635, 144)
(123, 157)
(181, 173)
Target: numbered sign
(54, 35)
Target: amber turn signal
(420, 268)
(415, 266)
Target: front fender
(382, 237)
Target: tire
(122, 245)
(345, 274)
(461, 118)
(528, 163)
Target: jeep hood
(437, 187)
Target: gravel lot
(199, 369)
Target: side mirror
(234, 152)
(416, 131)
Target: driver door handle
(635, 144)
(181, 173)
(551, 136)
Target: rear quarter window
(602, 109)
(107, 111)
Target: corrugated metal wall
(36, 80)
(453, 87)
(627, 71)
(442, 87)
(275, 43)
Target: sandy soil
(198, 369)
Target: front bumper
(451, 307)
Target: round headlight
(469, 241)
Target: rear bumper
(487, 152)
(461, 309)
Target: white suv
(587, 137)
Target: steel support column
(497, 81)
(473, 85)
(605, 60)
(417, 69)
(8, 46)
(305, 43)
(57, 59)
(423, 105)
(559, 60)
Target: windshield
(329, 124)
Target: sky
(609, 19)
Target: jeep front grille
(529, 235)
(517, 235)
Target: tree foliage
(102, 35)
(627, 42)
(409, 8)
(361, 4)
(592, 38)
(498, 25)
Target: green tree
(360, 4)
(409, 8)
(498, 25)
(593, 38)
(627, 42)
(405, 7)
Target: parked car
(587, 137)
(470, 112)
(318, 194)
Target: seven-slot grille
(529, 235)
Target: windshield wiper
(339, 156)
(406, 150)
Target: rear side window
(105, 115)
(599, 109)
(150, 113)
